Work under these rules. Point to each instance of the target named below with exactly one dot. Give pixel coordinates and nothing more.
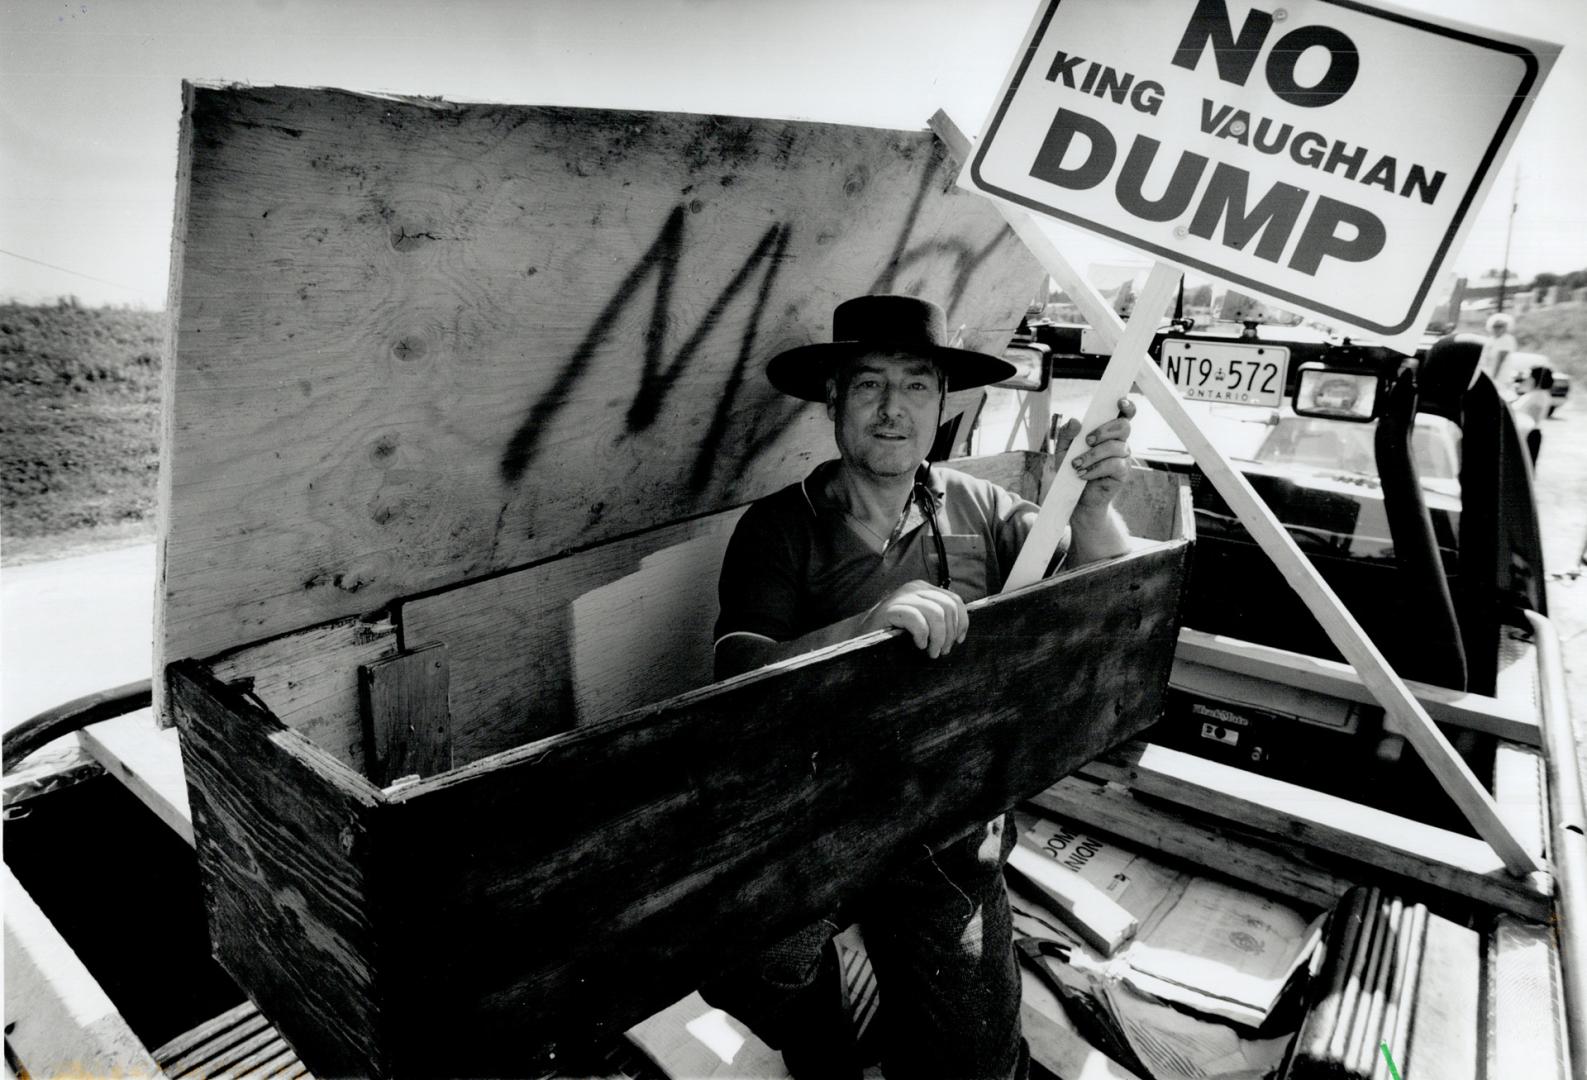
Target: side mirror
(1336, 393)
(1031, 371)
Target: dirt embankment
(79, 405)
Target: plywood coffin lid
(417, 343)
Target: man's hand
(936, 618)
(1105, 465)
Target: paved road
(71, 626)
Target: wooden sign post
(1129, 364)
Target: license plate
(1233, 373)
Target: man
(1496, 353)
(878, 539)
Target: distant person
(1531, 405)
(1496, 353)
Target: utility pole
(1504, 271)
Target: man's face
(885, 409)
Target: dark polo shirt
(797, 562)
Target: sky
(90, 98)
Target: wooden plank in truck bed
(1442, 859)
(148, 761)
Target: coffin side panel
(591, 878)
(283, 857)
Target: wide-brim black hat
(896, 324)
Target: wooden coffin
(463, 404)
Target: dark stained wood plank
(284, 836)
(408, 722)
(416, 343)
(607, 871)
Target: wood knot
(384, 447)
(348, 582)
(410, 348)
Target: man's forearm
(1096, 534)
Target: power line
(64, 270)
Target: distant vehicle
(1559, 391)
(1531, 378)
(1519, 365)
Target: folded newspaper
(1192, 995)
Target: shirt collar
(815, 486)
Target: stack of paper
(1207, 967)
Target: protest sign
(1326, 155)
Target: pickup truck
(1399, 476)
(358, 480)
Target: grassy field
(79, 405)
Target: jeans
(940, 938)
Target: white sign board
(1323, 154)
